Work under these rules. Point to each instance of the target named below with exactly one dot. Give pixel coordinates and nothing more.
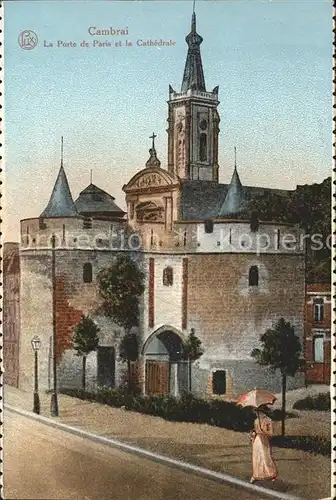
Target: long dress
(262, 461)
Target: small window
(203, 147)
(168, 277)
(253, 276)
(318, 310)
(131, 206)
(87, 223)
(219, 382)
(208, 226)
(278, 239)
(318, 349)
(185, 237)
(42, 224)
(87, 272)
(54, 241)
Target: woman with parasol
(263, 466)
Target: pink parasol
(256, 397)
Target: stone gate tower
(193, 120)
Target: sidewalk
(221, 450)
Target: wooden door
(157, 378)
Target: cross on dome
(153, 137)
(153, 160)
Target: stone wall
(162, 303)
(229, 315)
(236, 236)
(36, 318)
(71, 233)
(73, 299)
(11, 312)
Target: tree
(120, 287)
(192, 350)
(129, 351)
(85, 340)
(280, 350)
(309, 206)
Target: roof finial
(193, 19)
(62, 151)
(91, 176)
(153, 137)
(153, 159)
(235, 157)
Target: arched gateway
(165, 370)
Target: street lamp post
(36, 343)
(54, 401)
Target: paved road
(41, 462)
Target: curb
(201, 471)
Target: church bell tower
(193, 120)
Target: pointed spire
(61, 203)
(193, 77)
(153, 160)
(234, 202)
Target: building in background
(318, 333)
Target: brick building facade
(318, 333)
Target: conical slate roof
(93, 200)
(234, 202)
(61, 203)
(193, 77)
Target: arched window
(253, 276)
(203, 147)
(87, 272)
(167, 277)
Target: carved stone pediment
(150, 178)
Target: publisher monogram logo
(28, 40)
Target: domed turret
(94, 202)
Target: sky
(272, 61)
